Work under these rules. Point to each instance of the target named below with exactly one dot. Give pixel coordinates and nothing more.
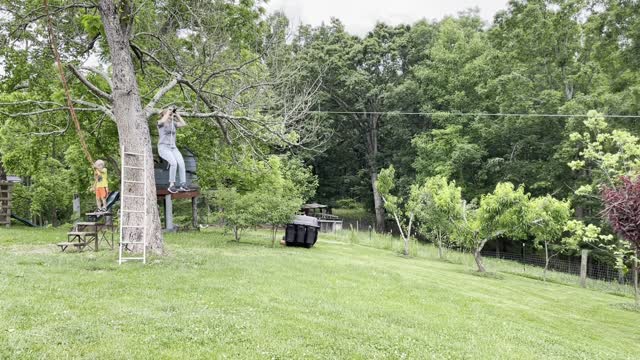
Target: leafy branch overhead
(245, 89)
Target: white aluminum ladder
(126, 205)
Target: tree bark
(404, 238)
(133, 129)
(274, 230)
(236, 233)
(372, 155)
(477, 255)
(478, 258)
(546, 261)
(378, 204)
(439, 234)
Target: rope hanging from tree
(63, 78)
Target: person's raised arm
(180, 121)
(165, 115)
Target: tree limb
(99, 72)
(148, 110)
(92, 88)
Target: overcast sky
(359, 16)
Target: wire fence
(562, 269)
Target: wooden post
(583, 268)
(194, 212)
(5, 203)
(168, 212)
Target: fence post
(524, 262)
(583, 267)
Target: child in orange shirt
(101, 184)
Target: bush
(348, 204)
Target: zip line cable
(612, 116)
(63, 78)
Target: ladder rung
(139, 226)
(133, 167)
(132, 211)
(132, 243)
(133, 182)
(132, 153)
(134, 196)
(134, 258)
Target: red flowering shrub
(622, 209)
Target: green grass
(213, 298)
(353, 214)
(429, 251)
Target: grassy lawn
(213, 298)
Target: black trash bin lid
(305, 220)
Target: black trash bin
(303, 231)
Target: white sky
(359, 16)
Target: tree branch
(92, 88)
(148, 110)
(102, 74)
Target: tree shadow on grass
(487, 274)
(626, 306)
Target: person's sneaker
(172, 189)
(184, 188)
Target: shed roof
(314, 206)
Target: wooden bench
(79, 245)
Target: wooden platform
(161, 193)
(164, 194)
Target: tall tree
(208, 57)
(359, 76)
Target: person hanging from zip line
(100, 185)
(169, 122)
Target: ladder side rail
(122, 207)
(126, 208)
(144, 207)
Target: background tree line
(324, 98)
(538, 57)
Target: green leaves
(504, 212)
(547, 218)
(437, 204)
(270, 194)
(92, 24)
(607, 154)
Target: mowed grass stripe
(212, 298)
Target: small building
(327, 221)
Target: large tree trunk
(378, 203)
(372, 155)
(133, 128)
